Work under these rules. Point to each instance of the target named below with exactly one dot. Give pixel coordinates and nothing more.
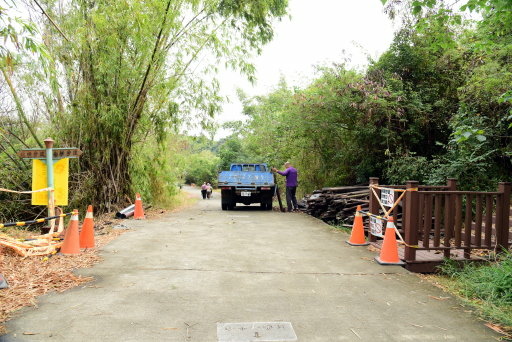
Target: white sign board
(387, 197)
(376, 226)
(256, 331)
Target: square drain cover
(256, 332)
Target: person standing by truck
(291, 185)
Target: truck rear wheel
(225, 200)
(269, 204)
(266, 204)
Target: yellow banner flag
(60, 181)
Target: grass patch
(180, 200)
(487, 288)
(341, 227)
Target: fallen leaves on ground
(499, 329)
(372, 248)
(433, 279)
(30, 277)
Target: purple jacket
(291, 176)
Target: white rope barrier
(25, 192)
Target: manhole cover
(256, 332)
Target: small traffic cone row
(139, 211)
(357, 237)
(389, 250)
(87, 233)
(71, 244)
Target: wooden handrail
(444, 218)
(449, 192)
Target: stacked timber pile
(337, 204)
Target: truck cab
(246, 183)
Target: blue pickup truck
(247, 184)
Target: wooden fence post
(410, 220)
(452, 184)
(449, 218)
(503, 216)
(373, 206)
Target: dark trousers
(203, 192)
(291, 201)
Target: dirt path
(175, 278)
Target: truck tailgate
(246, 178)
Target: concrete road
(175, 278)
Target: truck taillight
(265, 188)
(226, 188)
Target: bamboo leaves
(136, 68)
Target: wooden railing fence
(445, 219)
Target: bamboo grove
(119, 77)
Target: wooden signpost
(57, 153)
(48, 163)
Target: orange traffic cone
(71, 243)
(139, 211)
(357, 236)
(87, 233)
(389, 250)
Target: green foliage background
(118, 79)
(436, 104)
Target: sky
(319, 32)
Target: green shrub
(408, 167)
(485, 286)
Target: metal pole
(278, 195)
(48, 142)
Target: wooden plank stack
(337, 204)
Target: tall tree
(131, 68)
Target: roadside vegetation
(486, 288)
(436, 104)
(118, 79)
